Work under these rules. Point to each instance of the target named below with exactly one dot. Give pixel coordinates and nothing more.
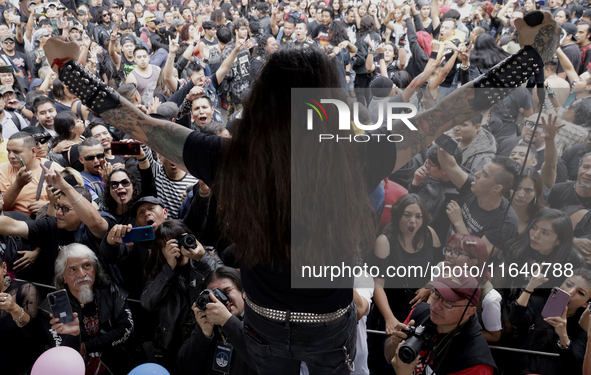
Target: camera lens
(410, 350)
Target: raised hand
(60, 48)
(173, 45)
(544, 38)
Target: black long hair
(392, 229)
(520, 247)
(367, 25)
(296, 210)
(486, 53)
(64, 122)
(166, 231)
(111, 203)
(338, 32)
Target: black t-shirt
(321, 32)
(270, 285)
(45, 234)
(508, 109)
(563, 195)
(574, 55)
(19, 61)
(481, 223)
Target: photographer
(465, 351)
(175, 270)
(219, 328)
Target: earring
(7, 281)
(535, 200)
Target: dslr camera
(204, 298)
(419, 338)
(188, 241)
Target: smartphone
(41, 52)
(139, 234)
(125, 148)
(22, 162)
(556, 303)
(40, 9)
(59, 303)
(448, 144)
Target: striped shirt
(171, 191)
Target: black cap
(158, 21)
(570, 29)
(263, 7)
(381, 87)
(149, 199)
(587, 13)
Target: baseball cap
(381, 87)
(263, 7)
(61, 6)
(444, 9)
(36, 83)
(177, 22)
(6, 88)
(587, 13)
(75, 26)
(148, 16)
(158, 21)
(457, 288)
(126, 40)
(570, 29)
(141, 201)
(29, 3)
(5, 37)
(81, 12)
(52, 4)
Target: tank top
(146, 86)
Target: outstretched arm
(467, 101)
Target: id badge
(223, 356)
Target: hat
(455, 289)
(29, 3)
(177, 22)
(381, 87)
(114, 6)
(75, 26)
(52, 4)
(6, 88)
(158, 21)
(5, 37)
(444, 9)
(587, 13)
(81, 12)
(570, 29)
(61, 6)
(149, 17)
(36, 83)
(127, 40)
(141, 201)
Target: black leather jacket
(171, 296)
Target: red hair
(424, 39)
(474, 247)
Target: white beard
(86, 295)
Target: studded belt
(296, 317)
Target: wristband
(77, 200)
(527, 291)
(433, 55)
(19, 321)
(381, 56)
(142, 159)
(187, 104)
(564, 347)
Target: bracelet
(527, 291)
(142, 159)
(187, 105)
(465, 67)
(77, 200)
(19, 321)
(564, 347)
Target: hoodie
(480, 151)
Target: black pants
(362, 88)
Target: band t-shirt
(497, 227)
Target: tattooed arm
(461, 105)
(166, 138)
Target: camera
(204, 298)
(419, 338)
(188, 241)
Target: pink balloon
(61, 360)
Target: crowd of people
(170, 117)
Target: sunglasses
(65, 209)
(115, 184)
(92, 157)
(106, 15)
(8, 41)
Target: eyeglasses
(92, 157)
(65, 209)
(430, 164)
(531, 125)
(453, 253)
(448, 305)
(115, 184)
